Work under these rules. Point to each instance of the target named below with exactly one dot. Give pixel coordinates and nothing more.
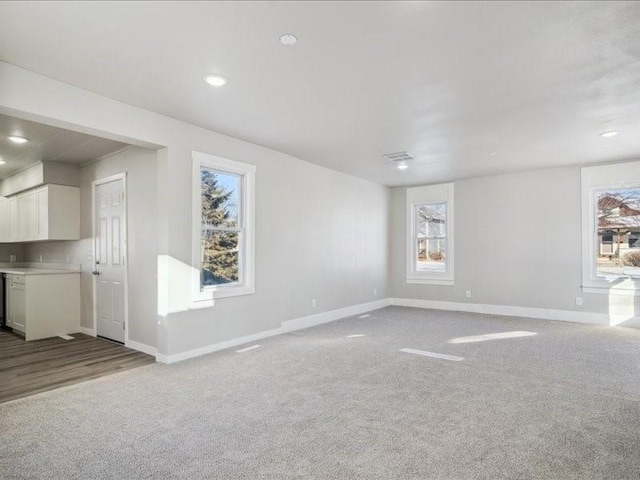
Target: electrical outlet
(578, 301)
(375, 292)
(468, 293)
(12, 258)
(313, 303)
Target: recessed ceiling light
(402, 166)
(288, 39)
(216, 80)
(609, 134)
(2, 162)
(17, 139)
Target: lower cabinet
(16, 306)
(43, 306)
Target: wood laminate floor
(32, 367)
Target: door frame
(118, 176)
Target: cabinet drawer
(19, 279)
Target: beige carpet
(561, 402)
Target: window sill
(604, 290)
(210, 294)
(430, 281)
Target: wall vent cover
(398, 157)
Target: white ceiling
(47, 143)
(450, 82)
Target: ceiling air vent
(399, 159)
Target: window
(223, 205)
(611, 228)
(430, 235)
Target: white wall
(517, 243)
(319, 234)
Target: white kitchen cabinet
(38, 175)
(28, 216)
(5, 220)
(42, 199)
(50, 212)
(16, 303)
(15, 219)
(43, 305)
(58, 212)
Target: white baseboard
(589, 318)
(88, 331)
(178, 357)
(288, 326)
(141, 347)
(330, 316)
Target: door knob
(95, 272)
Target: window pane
(431, 241)
(431, 255)
(431, 220)
(220, 258)
(617, 239)
(220, 193)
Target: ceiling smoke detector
(399, 159)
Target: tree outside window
(221, 227)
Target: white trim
(332, 315)
(423, 281)
(141, 347)
(118, 176)
(590, 318)
(247, 260)
(443, 193)
(288, 326)
(630, 292)
(593, 179)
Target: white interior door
(110, 258)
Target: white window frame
(431, 194)
(246, 284)
(594, 179)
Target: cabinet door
(32, 216)
(17, 306)
(42, 200)
(62, 213)
(27, 216)
(7, 291)
(15, 219)
(5, 220)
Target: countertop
(35, 271)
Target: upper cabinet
(5, 220)
(49, 212)
(38, 175)
(58, 212)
